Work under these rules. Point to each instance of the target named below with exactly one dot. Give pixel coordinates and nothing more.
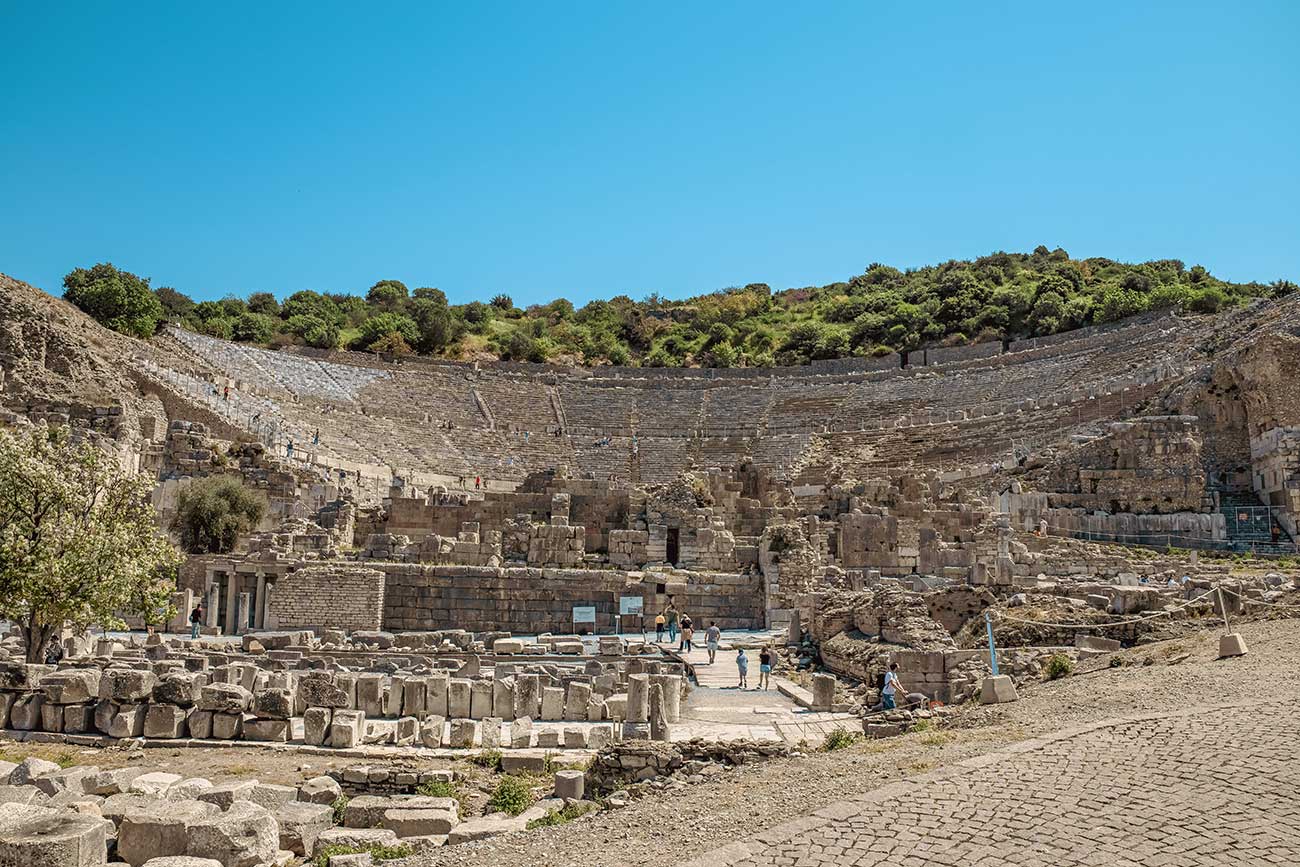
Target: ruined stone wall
(531, 601)
(334, 596)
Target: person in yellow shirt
(660, 622)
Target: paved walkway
(1208, 786)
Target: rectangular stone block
(480, 699)
(458, 698)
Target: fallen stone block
(71, 686)
(358, 838)
(347, 728)
(243, 836)
(22, 795)
(420, 822)
(301, 823)
(160, 830)
(126, 685)
(33, 836)
(29, 769)
(319, 790)
(227, 793)
(165, 721)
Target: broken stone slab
(29, 769)
(347, 728)
(160, 830)
(111, 782)
(316, 725)
(318, 689)
(462, 733)
(71, 686)
(154, 784)
(188, 789)
(274, 704)
(33, 836)
(272, 730)
(569, 785)
(521, 732)
(227, 793)
(431, 731)
(319, 790)
(357, 838)
(182, 689)
(68, 779)
(245, 835)
(181, 861)
(301, 823)
(225, 698)
(117, 807)
(22, 795)
(422, 822)
(271, 796)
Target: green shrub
(490, 759)
(840, 738)
(1059, 665)
(441, 789)
(512, 795)
(340, 805)
(562, 815)
(214, 512)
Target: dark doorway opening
(674, 545)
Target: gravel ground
(688, 821)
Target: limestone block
(823, 692)
(159, 831)
(508, 646)
(111, 782)
(318, 689)
(188, 789)
(436, 686)
(227, 726)
(120, 720)
(658, 722)
(393, 697)
(65, 780)
(480, 699)
(273, 704)
(462, 733)
(370, 694)
(117, 807)
(431, 731)
(514, 763)
(319, 790)
(71, 686)
(569, 785)
(181, 861)
(997, 689)
(271, 796)
(154, 784)
(179, 688)
(301, 822)
(347, 728)
(407, 822)
(552, 703)
(225, 698)
(51, 717)
(33, 836)
(600, 736)
(200, 724)
(24, 795)
(1096, 642)
(165, 721)
(358, 838)
(503, 698)
(245, 835)
(458, 699)
(672, 686)
(266, 730)
(575, 702)
(78, 718)
(25, 714)
(521, 732)
(316, 725)
(616, 707)
(29, 769)
(575, 738)
(638, 697)
(414, 696)
(548, 738)
(406, 731)
(227, 793)
(1232, 644)
(528, 696)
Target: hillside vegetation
(882, 310)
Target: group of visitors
(766, 664)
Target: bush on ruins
(118, 299)
(213, 512)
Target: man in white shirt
(893, 688)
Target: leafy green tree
(388, 294)
(476, 315)
(264, 303)
(435, 323)
(79, 542)
(309, 303)
(502, 302)
(117, 299)
(314, 331)
(214, 512)
(176, 305)
(254, 327)
(428, 292)
(384, 324)
(391, 343)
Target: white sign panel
(584, 614)
(630, 605)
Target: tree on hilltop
(117, 299)
(79, 542)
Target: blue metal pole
(993, 651)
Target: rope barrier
(1000, 616)
(1247, 600)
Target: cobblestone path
(1208, 786)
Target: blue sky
(590, 149)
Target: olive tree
(79, 540)
(214, 512)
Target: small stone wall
(635, 761)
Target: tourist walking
(742, 665)
(688, 632)
(671, 613)
(660, 623)
(712, 636)
(196, 621)
(892, 688)
(765, 660)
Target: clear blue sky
(591, 149)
